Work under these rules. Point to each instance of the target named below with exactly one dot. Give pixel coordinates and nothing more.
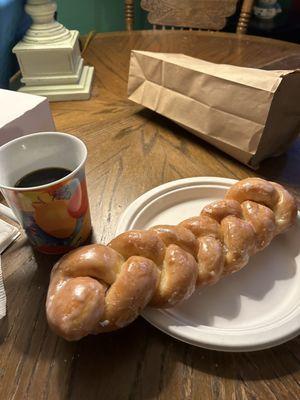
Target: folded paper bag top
(249, 113)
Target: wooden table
(132, 150)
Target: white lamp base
(73, 91)
(54, 69)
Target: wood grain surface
(132, 150)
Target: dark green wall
(98, 15)
(108, 15)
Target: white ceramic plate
(255, 308)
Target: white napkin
(8, 233)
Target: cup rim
(40, 187)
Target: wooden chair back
(191, 14)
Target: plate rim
(286, 331)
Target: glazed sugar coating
(100, 288)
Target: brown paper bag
(249, 113)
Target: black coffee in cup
(42, 177)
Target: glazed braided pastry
(99, 288)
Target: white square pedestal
(72, 91)
(54, 70)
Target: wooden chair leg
(129, 14)
(245, 15)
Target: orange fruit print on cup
(56, 219)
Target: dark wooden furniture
(192, 14)
(132, 150)
(284, 26)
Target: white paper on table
(8, 233)
(22, 114)
(2, 295)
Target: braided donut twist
(99, 288)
